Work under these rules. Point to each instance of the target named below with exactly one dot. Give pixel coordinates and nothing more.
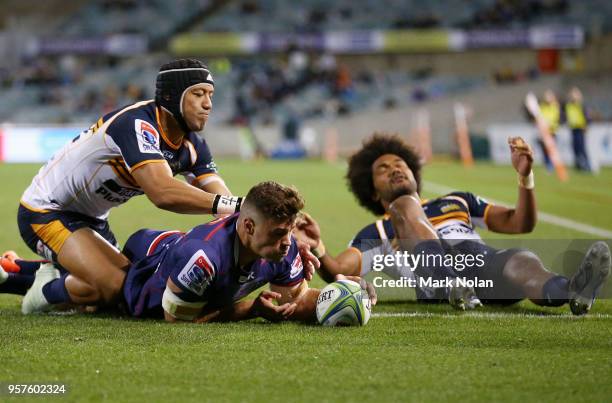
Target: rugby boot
(34, 301)
(7, 262)
(462, 298)
(589, 278)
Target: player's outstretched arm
(241, 310)
(347, 263)
(212, 183)
(171, 194)
(176, 309)
(303, 299)
(263, 306)
(523, 217)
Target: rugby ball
(343, 303)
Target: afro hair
(359, 175)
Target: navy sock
(29, 267)
(55, 291)
(555, 291)
(16, 283)
(434, 252)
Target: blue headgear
(174, 79)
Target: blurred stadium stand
(322, 15)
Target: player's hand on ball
(368, 287)
(307, 230)
(264, 307)
(521, 155)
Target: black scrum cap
(174, 79)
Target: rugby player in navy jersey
(384, 175)
(202, 274)
(132, 151)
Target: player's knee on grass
(80, 291)
(110, 289)
(105, 291)
(97, 264)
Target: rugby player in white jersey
(384, 175)
(131, 151)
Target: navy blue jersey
(151, 142)
(93, 173)
(203, 264)
(454, 216)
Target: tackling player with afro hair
(385, 177)
(359, 175)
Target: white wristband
(226, 204)
(526, 182)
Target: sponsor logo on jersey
(212, 166)
(296, 266)
(43, 251)
(450, 207)
(457, 230)
(113, 192)
(197, 273)
(245, 279)
(147, 136)
(480, 200)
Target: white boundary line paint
(488, 315)
(546, 217)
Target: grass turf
(523, 353)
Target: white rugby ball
(343, 303)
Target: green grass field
(408, 352)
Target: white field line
(546, 217)
(487, 315)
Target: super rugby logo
(147, 136)
(197, 273)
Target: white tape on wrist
(226, 204)
(178, 308)
(527, 182)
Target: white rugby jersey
(92, 174)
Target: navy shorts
(146, 250)
(502, 292)
(45, 231)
